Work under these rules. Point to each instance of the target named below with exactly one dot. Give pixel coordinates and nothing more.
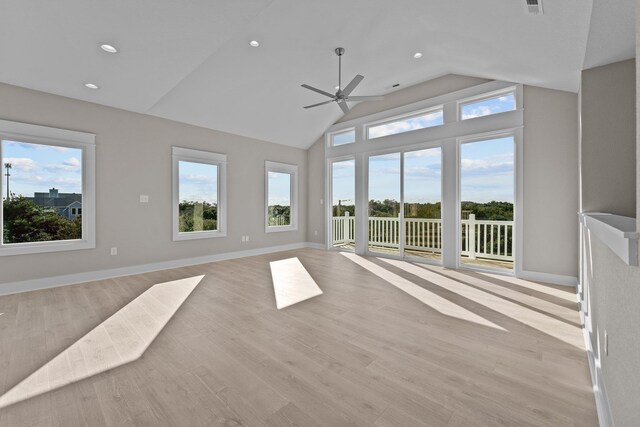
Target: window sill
(276, 229)
(44, 247)
(617, 232)
(194, 235)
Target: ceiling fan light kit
(341, 96)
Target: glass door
(383, 223)
(422, 175)
(487, 202)
(343, 209)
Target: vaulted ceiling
(190, 61)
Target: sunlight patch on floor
(292, 283)
(120, 339)
(539, 321)
(559, 293)
(427, 297)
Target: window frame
(293, 171)
(55, 137)
(179, 154)
(484, 97)
(410, 115)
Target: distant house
(68, 205)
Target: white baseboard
(316, 245)
(556, 279)
(605, 418)
(70, 279)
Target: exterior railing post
(345, 225)
(471, 236)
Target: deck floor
(434, 256)
(387, 343)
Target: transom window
(281, 201)
(48, 177)
(488, 105)
(415, 121)
(199, 194)
(343, 137)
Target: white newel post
(345, 225)
(471, 236)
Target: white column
(450, 211)
(362, 204)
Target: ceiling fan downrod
(339, 51)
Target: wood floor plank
(362, 353)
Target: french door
(343, 204)
(405, 204)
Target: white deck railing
(492, 239)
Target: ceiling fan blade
(318, 104)
(319, 91)
(344, 106)
(352, 85)
(365, 98)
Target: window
(281, 189)
(421, 120)
(342, 137)
(199, 194)
(488, 105)
(47, 174)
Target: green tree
(197, 216)
(24, 221)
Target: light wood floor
(365, 352)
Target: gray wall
(315, 193)
(133, 154)
(550, 170)
(610, 181)
(608, 139)
(550, 220)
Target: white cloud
(479, 111)
(72, 164)
(22, 164)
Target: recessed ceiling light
(108, 48)
(91, 86)
(254, 43)
(417, 55)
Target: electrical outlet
(606, 343)
(114, 251)
(315, 232)
(144, 198)
(247, 238)
(321, 201)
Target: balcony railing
(491, 239)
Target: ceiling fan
(342, 95)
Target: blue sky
(344, 187)
(345, 137)
(486, 170)
(279, 189)
(434, 118)
(198, 182)
(486, 174)
(499, 104)
(37, 168)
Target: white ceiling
(190, 60)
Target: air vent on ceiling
(535, 7)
